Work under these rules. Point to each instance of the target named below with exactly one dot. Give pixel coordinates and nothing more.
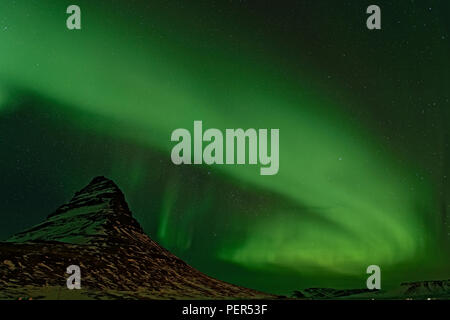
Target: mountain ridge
(97, 231)
(93, 215)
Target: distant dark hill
(97, 231)
(329, 293)
(426, 289)
(437, 289)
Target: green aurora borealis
(362, 115)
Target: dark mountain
(97, 232)
(436, 289)
(330, 293)
(426, 289)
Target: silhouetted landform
(97, 231)
(426, 289)
(437, 289)
(328, 293)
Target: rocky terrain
(97, 232)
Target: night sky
(363, 118)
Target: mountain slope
(97, 231)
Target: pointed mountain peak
(98, 212)
(100, 187)
(96, 231)
(100, 179)
(100, 191)
(102, 184)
